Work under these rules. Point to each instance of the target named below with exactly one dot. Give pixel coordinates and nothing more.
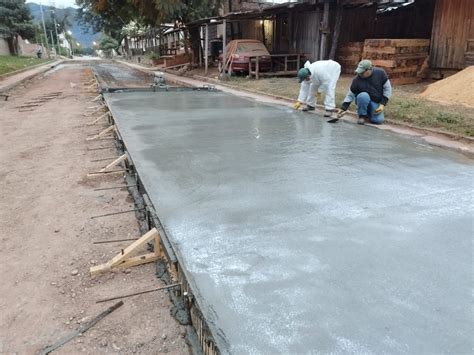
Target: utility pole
(52, 39)
(44, 28)
(71, 44)
(56, 30)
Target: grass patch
(10, 64)
(405, 106)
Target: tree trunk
(194, 38)
(127, 47)
(11, 46)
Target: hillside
(84, 35)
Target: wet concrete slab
(300, 236)
(113, 75)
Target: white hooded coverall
(324, 76)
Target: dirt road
(47, 234)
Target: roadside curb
(440, 139)
(7, 75)
(37, 70)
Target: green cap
(303, 73)
(364, 65)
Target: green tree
(107, 44)
(15, 20)
(111, 15)
(107, 16)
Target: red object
(248, 48)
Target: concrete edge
(34, 73)
(463, 145)
(201, 340)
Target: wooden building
(316, 27)
(452, 38)
(449, 24)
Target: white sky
(56, 3)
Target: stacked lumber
(402, 59)
(349, 55)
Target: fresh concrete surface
(300, 236)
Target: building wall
(298, 32)
(4, 50)
(453, 30)
(25, 48)
(406, 22)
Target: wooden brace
(124, 258)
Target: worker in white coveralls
(319, 76)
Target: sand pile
(456, 89)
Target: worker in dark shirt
(371, 91)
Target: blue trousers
(366, 108)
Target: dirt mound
(456, 89)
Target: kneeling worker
(321, 75)
(371, 91)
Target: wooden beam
(224, 39)
(206, 49)
(138, 260)
(336, 31)
(324, 31)
(147, 237)
(96, 109)
(103, 133)
(124, 258)
(98, 119)
(96, 98)
(117, 161)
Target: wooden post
(256, 69)
(298, 62)
(290, 31)
(324, 31)
(286, 63)
(200, 47)
(224, 38)
(206, 48)
(337, 30)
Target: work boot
(328, 113)
(361, 119)
(308, 108)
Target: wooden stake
(96, 98)
(98, 119)
(96, 110)
(103, 133)
(117, 161)
(125, 259)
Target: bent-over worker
(371, 90)
(319, 76)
